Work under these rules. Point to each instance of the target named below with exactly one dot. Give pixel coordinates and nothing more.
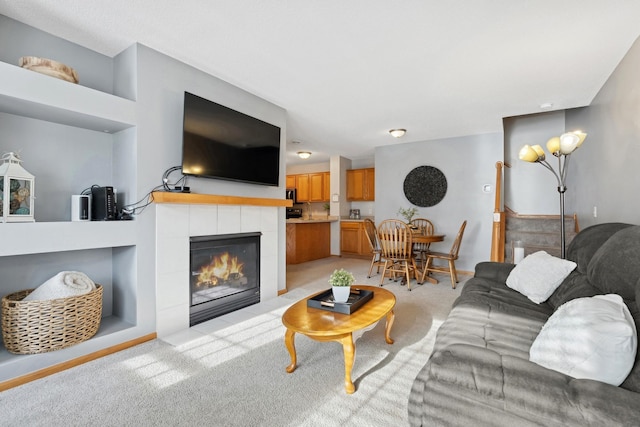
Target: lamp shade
(553, 145)
(528, 154)
(539, 151)
(568, 142)
(582, 137)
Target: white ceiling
(347, 71)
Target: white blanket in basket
(62, 285)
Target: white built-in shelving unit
(30, 251)
(30, 94)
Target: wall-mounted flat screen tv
(219, 142)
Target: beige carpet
(236, 376)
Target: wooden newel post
(497, 234)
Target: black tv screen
(222, 143)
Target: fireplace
(224, 274)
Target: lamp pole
(563, 162)
(563, 253)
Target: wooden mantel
(212, 199)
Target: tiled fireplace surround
(175, 223)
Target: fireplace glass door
(224, 274)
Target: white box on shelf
(80, 205)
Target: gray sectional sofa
(479, 373)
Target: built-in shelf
(38, 96)
(15, 365)
(213, 199)
(42, 115)
(42, 237)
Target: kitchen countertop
(312, 220)
(362, 218)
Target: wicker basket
(30, 327)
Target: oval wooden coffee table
(324, 325)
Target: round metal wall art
(425, 186)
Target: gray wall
(607, 174)
(529, 188)
(162, 82)
(46, 149)
(468, 163)
(603, 173)
(17, 39)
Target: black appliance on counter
(294, 213)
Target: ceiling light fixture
(304, 154)
(397, 133)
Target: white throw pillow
(593, 338)
(538, 275)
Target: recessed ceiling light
(546, 106)
(397, 133)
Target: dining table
(418, 237)
(427, 238)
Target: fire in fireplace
(223, 269)
(225, 274)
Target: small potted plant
(341, 281)
(327, 208)
(407, 214)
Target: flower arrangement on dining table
(408, 214)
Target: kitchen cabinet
(353, 240)
(361, 184)
(308, 241)
(316, 187)
(327, 186)
(290, 181)
(302, 188)
(311, 187)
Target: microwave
(291, 194)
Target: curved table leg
(349, 354)
(387, 330)
(291, 347)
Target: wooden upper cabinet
(312, 187)
(302, 188)
(361, 184)
(327, 187)
(316, 185)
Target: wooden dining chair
(394, 237)
(450, 257)
(372, 237)
(424, 226)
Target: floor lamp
(561, 147)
